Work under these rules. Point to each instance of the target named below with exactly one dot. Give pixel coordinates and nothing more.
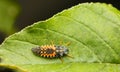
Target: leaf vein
(17, 53)
(113, 22)
(92, 30)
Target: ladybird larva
(51, 51)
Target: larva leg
(70, 56)
(61, 59)
(52, 42)
(67, 44)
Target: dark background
(37, 10)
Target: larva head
(61, 50)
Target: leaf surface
(93, 29)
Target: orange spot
(51, 55)
(53, 48)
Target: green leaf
(71, 67)
(93, 29)
(8, 12)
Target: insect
(52, 51)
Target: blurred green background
(17, 14)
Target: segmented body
(50, 51)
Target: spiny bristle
(47, 46)
(41, 55)
(47, 55)
(44, 55)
